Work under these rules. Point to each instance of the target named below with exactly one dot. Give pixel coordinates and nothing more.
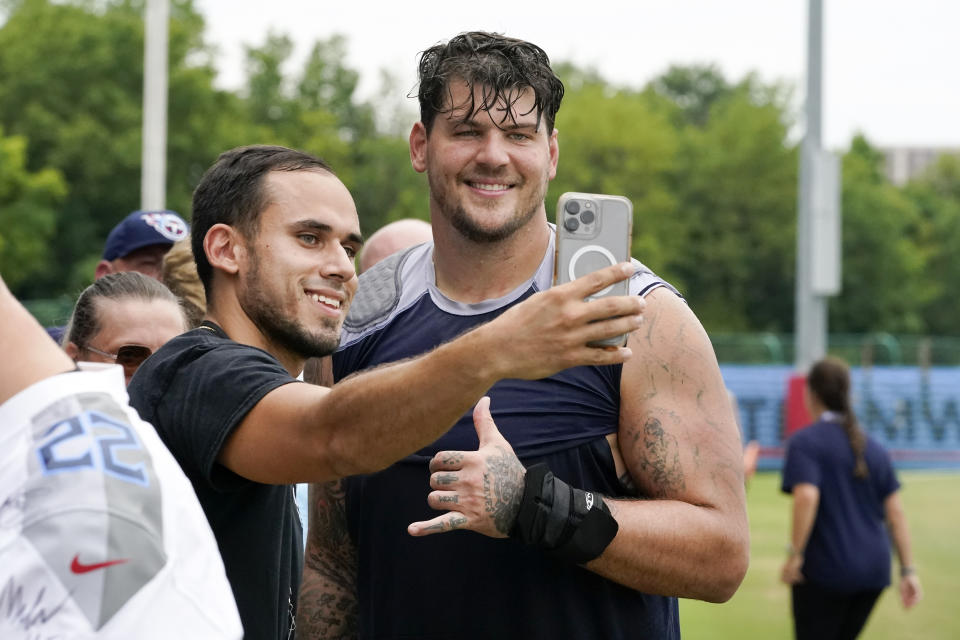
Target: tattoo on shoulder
(659, 457)
(502, 489)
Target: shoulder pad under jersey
(378, 293)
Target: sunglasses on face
(129, 356)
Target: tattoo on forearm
(659, 458)
(503, 489)
(328, 597)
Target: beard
(469, 226)
(286, 332)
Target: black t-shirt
(195, 391)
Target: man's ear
(418, 147)
(103, 268)
(554, 154)
(72, 350)
(224, 247)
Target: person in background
(138, 243)
(586, 559)
(751, 450)
(122, 318)
(391, 238)
(844, 488)
(179, 274)
(101, 535)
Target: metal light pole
(153, 179)
(818, 216)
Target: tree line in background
(707, 162)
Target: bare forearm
(901, 541)
(29, 353)
(899, 531)
(673, 548)
(379, 416)
(385, 414)
(301, 433)
(806, 499)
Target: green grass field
(761, 608)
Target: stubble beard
(451, 207)
(286, 332)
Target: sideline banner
(913, 412)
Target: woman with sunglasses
(122, 318)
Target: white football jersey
(101, 534)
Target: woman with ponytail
(844, 490)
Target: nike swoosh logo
(78, 567)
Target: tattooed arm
(680, 443)
(327, 607)
(681, 447)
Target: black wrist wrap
(569, 523)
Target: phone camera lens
(572, 207)
(572, 224)
(586, 217)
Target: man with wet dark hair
(497, 66)
(586, 559)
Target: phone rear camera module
(572, 207)
(586, 217)
(572, 224)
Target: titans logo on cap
(169, 225)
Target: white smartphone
(593, 232)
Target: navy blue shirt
(849, 547)
(462, 584)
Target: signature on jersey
(13, 505)
(29, 614)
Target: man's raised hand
(479, 490)
(549, 331)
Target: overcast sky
(891, 67)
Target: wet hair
(829, 381)
(232, 192)
(85, 323)
(179, 274)
(499, 66)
